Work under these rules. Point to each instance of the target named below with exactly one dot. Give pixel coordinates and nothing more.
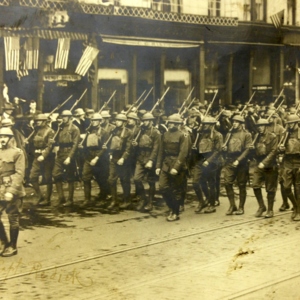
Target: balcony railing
(153, 12)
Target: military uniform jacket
(239, 145)
(266, 149)
(108, 127)
(277, 129)
(120, 144)
(94, 141)
(41, 140)
(210, 145)
(173, 152)
(12, 170)
(68, 137)
(148, 145)
(292, 150)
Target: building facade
(232, 46)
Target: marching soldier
(290, 146)
(266, 170)
(43, 158)
(171, 165)
(67, 141)
(209, 147)
(119, 151)
(94, 164)
(12, 191)
(147, 143)
(236, 166)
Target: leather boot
(47, 200)
(87, 186)
(149, 205)
(202, 204)
(271, 198)
(297, 198)
(230, 195)
(285, 204)
(71, 188)
(114, 205)
(3, 238)
(12, 248)
(126, 203)
(261, 205)
(36, 187)
(143, 199)
(242, 196)
(292, 198)
(60, 192)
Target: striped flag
(62, 53)
(31, 48)
(12, 53)
(89, 54)
(278, 19)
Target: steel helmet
(41, 117)
(262, 122)
(147, 116)
(292, 119)
(7, 122)
(6, 131)
(79, 112)
(121, 117)
(66, 113)
(238, 118)
(133, 115)
(105, 114)
(209, 120)
(175, 118)
(96, 117)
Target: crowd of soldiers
(196, 141)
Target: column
(252, 52)
(133, 79)
(2, 67)
(228, 99)
(94, 86)
(281, 69)
(40, 81)
(202, 73)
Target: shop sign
(61, 77)
(262, 87)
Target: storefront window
(214, 8)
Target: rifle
(78, 100)
(142, 102)
(105, 103)
(220, 114)
(59, 106)
(194, 146)
(188, 107)
(278, 96)
(159, 100)
(247, 104)
(185, 101)
(276, 110)
(133, 104)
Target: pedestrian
(12, 173)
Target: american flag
(89, 54)
(62, 53)
(277, 19)
(12, 53)
(31, 48)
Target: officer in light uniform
(266, 170)
(12, 171)
(146, 143)
(204, 178)
(67, 141)
(43, 161)
(236, 165)
(172, 165)
(94, 165)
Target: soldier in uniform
(236, 166)
(209, 148)
(43, 158)
(265, 170)
(12, 191)
(172, 165)
(67, 141)
(119, 151)
(146, 143)
(290, 146)
(94, 164)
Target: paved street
(85, 254)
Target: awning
(149, 42)
(292, 39)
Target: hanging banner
(62, 53)
(89, 54)
(12, 53)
